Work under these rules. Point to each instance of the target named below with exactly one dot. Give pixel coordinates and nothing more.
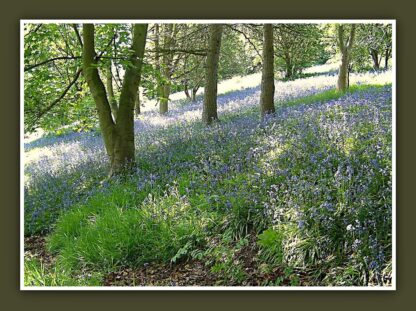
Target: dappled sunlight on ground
(85, 145)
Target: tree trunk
(194, 91)
(289, 71)
(386, 60)
(124, 147)
(157, 62)
(343, 74)
(209, 111)
(267, 76)
(137, 104)
(110, 92)
(186, 90)
(169, 33)
(118, 136)
(98, 91)
(164, 98)
(374, 56)
(345, 49)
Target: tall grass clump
(105, 234)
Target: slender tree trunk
(186, 90)
(164, 98)
(289, 66)
(124, 147)
(209, 111)
(267, 76)
(164, 89)
(345, 49)
(288, 71)
(374, 56)
(110, 92)
(118, 136)
(343, 74)
(169, 34)
(137, 104)
(157, 61)
(194, 91)
(98, 91)
(386, 59)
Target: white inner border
(208, 288)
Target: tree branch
(247, 38)
(75, 27)
(56, 101)
(351, 38)
(341, 37)
(167, 51)
(30, 67)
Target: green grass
(39, 274)
(114, 230)
(324, 96)
(330, 95)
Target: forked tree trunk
(118, 136)
(209, 111)
(267, 76)
(345, 49)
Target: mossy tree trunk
(267, 76)
(118, 135)
(209, 111)
(345, 46)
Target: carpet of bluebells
(312, 184)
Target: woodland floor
(322, 164)
(188, 273)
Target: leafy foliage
(299, 46)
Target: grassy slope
(123, 226)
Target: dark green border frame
(401, 10)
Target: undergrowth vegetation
(308, 189)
